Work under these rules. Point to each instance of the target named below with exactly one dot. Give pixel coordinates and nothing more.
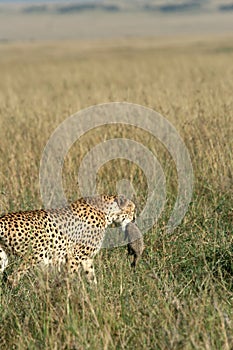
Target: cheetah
(135, 242)
(69, 236)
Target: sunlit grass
(180, 297)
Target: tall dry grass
(181, 295)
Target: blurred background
(100, 19)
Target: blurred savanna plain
(181, 295)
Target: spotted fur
(70, 235)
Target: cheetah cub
(135, 242)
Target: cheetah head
(118, 209)
(125, 210)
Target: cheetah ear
(122, 201)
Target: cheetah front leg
(88, 268)
(86, 263)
